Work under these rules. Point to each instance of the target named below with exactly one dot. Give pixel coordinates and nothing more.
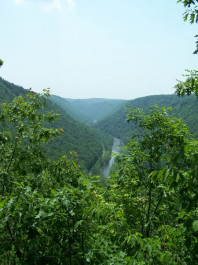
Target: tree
(191, 14)
(152, 177)
(1, 62)
(190, 85)
(50, 212)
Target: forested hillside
(85, 141)
(9, 90)
(70, 109)
(53, 213)
(96, 108)
(185, 108)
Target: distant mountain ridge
(68, 107)
(96, 108)
(185, 108)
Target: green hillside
(84, 140)
(96, 108)
(9, 90)
(185, 108)
(69, 109)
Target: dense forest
(96, 108)
(117, 125)
(53, 212)
(89, 110)
(69, 108)
(88, 143)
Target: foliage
(50, 212)
(191, 14)
(189, 86)
(1, 62)
(85, 141)
(183, 107)
(156, 185)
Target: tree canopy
(190, 85)
(52, 213)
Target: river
(114, 151)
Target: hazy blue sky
(96, 48)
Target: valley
(57, 184)
(114, 152)
(90, 124)
(101, 167)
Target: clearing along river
(114, 151)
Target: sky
(122, 49)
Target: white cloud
(53, 5)
(19, 2)
(71, 4)
(48, 5)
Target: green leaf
(186, 16)
(195, 226)
(77, 224)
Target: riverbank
(114, 152)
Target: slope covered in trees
(70, 109)
(96, 108)
(88, 144)
(9, 90)
(52, 213)
(185, 108)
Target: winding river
(114, 151)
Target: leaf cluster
(50, 212)
(156, 185)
